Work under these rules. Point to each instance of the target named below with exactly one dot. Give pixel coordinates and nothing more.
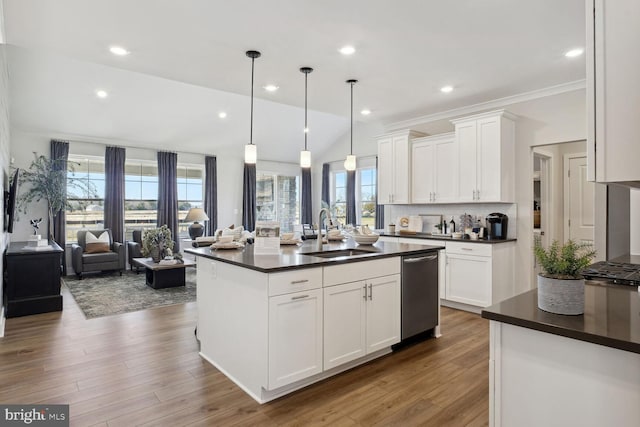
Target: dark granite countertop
(442, 238)
(611, 317)
(627, 259)
(296, 256)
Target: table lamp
(196, 229)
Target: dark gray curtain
(379, 208)
(325, 184)
(60, 151)
(249, 197)
(114, 158)
(168, 194)
(351, 197)
(306, 212)
(211, 194)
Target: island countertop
(429, 236)
(611, 316)
(299, 256)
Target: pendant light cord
(351, 118)
(251, 131)
(306, 130)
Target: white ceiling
(188, 62)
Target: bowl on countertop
(457, 235)
(365, 239)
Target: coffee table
(161, 276)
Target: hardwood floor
(143, 368)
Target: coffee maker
(497, 226)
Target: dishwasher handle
(420, 259)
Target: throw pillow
(97, 245)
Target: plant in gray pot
(561, 286)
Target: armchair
(84, 261)
(134, 248)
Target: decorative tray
(230, 245)
(339, 237)
(290, 242)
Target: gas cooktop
(618, 272)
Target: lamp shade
(305, 159)
(250, 154)
(196, 214)
(350, 163)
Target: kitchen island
(548, 369)
(277, 323)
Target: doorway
(579, 197)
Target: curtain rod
(127, 146)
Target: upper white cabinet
(613, 90)
(394, 167)
(486, 157)
(434, 169)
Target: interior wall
(634, 225)
(5, 142)
(619, 222)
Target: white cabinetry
(613, 90)
(361, 316)
(434, 169)
(479, 274)
(486, 157)
(394, 167)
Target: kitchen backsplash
(392, 212)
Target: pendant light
(250, 150)
(350, 162)
(305, 155)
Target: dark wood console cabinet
(32, 280)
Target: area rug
(109, 293)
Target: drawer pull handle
(365, 292)
(296, 282)
(370, 291)
(300, 297)
(467, 249)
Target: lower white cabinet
(295, 337)
(360, 318)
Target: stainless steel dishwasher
(419, 294)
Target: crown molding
(496, 103)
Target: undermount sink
(338, 253)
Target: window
(366, 179)
(278, 199)
(140, 196)
(190, 191)
(85, 210)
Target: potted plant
(157, 243)
(47, 179)
(561, 286)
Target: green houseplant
(47, 179)
(561, 286)
(157, 243)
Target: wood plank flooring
(143, 368)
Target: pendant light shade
(250, 150)
(350, 162)
(305, 155)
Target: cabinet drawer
(354, 271)
(294, 281)
(477, 249)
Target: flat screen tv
(10, 201)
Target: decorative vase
(561, 296)
(155, 255)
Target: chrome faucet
(320, 223)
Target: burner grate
(620, 273)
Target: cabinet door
(422, 176)
(344, 323)
(466, 136)
(401, 170)
(295, 337)
(468, 279)
(445, 164)
(385, 170)
(489, 161)
(383, 312)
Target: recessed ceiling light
(574, 52)
(222, 114)
(119, 50)
(347, 50)
(446, 89)
(270, 88)
(365, 112)
(101, 93)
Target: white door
(385, 170)
(383, 312)
(344, 323)
(295, 337)
(466, 136)
(401, 170)
(488, 156)
(469, 279)
(445, 184)
(579, 217)
(422, 165)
